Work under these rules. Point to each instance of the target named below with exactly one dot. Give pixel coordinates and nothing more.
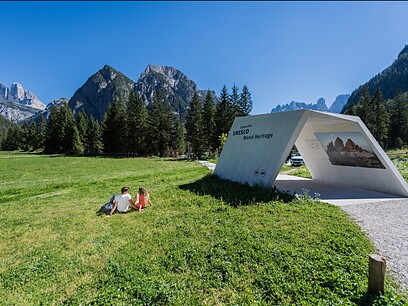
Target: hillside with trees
(130, 128)
(5, 125)
(391, 79)
(382, 104)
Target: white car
(296, 159)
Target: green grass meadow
(205, 241)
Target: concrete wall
(257, 147)
(386, 180)
(248, 157)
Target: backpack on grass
(106, 208)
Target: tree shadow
(235, 194)
(369, 299)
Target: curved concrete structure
(337, 149)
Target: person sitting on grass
(141, 198)
(122, 202)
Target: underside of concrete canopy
(337, 149)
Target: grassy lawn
(205, 242)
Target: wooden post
(376, 273)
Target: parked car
(296, 159)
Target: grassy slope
(204, 242)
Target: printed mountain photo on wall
(354, 152)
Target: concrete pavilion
(337, 150)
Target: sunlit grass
(205, 241)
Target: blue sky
(282, 51)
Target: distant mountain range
(16, 103)
(320, 105)
(388, 81)
(106, 85)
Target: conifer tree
(223, 115)
(364, 108)
(352, 110)
(25, 136)
(194, 126)
(210, 140)
(137, 120)
(245, 102)
(177, 145)
(380, 123)
(234, 99)
(32, 142)
(93, 142)
(76, 146)
(40, 132)
(81, 124)
(66, 130)
(114, 129)
(399, 120)
(14, 139)
(51, 132)
(160, 126)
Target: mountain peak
(165, 70)
(108, 72)
(98, 92)
(17, 104)
(321, 102)
(107, 67)
(404, 51)
(17, 94)
(294, 105)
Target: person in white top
(122, 202)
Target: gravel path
(386, 223)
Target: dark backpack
(106, 208)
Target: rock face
(16, 93)
(339, 103)
(176, 87)
(319, 106)
(108, 84)
(17, 104)
(57, 103)
(99, 91)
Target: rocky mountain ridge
(108, 84)
(16, 93)
(176, 87)
(98, 92)
(17, 103)
(320, 105)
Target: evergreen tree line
(129, 128)
(387, 120)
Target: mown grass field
(205, 242)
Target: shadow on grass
(370, 299)
(235, 194)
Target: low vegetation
(205, 241)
